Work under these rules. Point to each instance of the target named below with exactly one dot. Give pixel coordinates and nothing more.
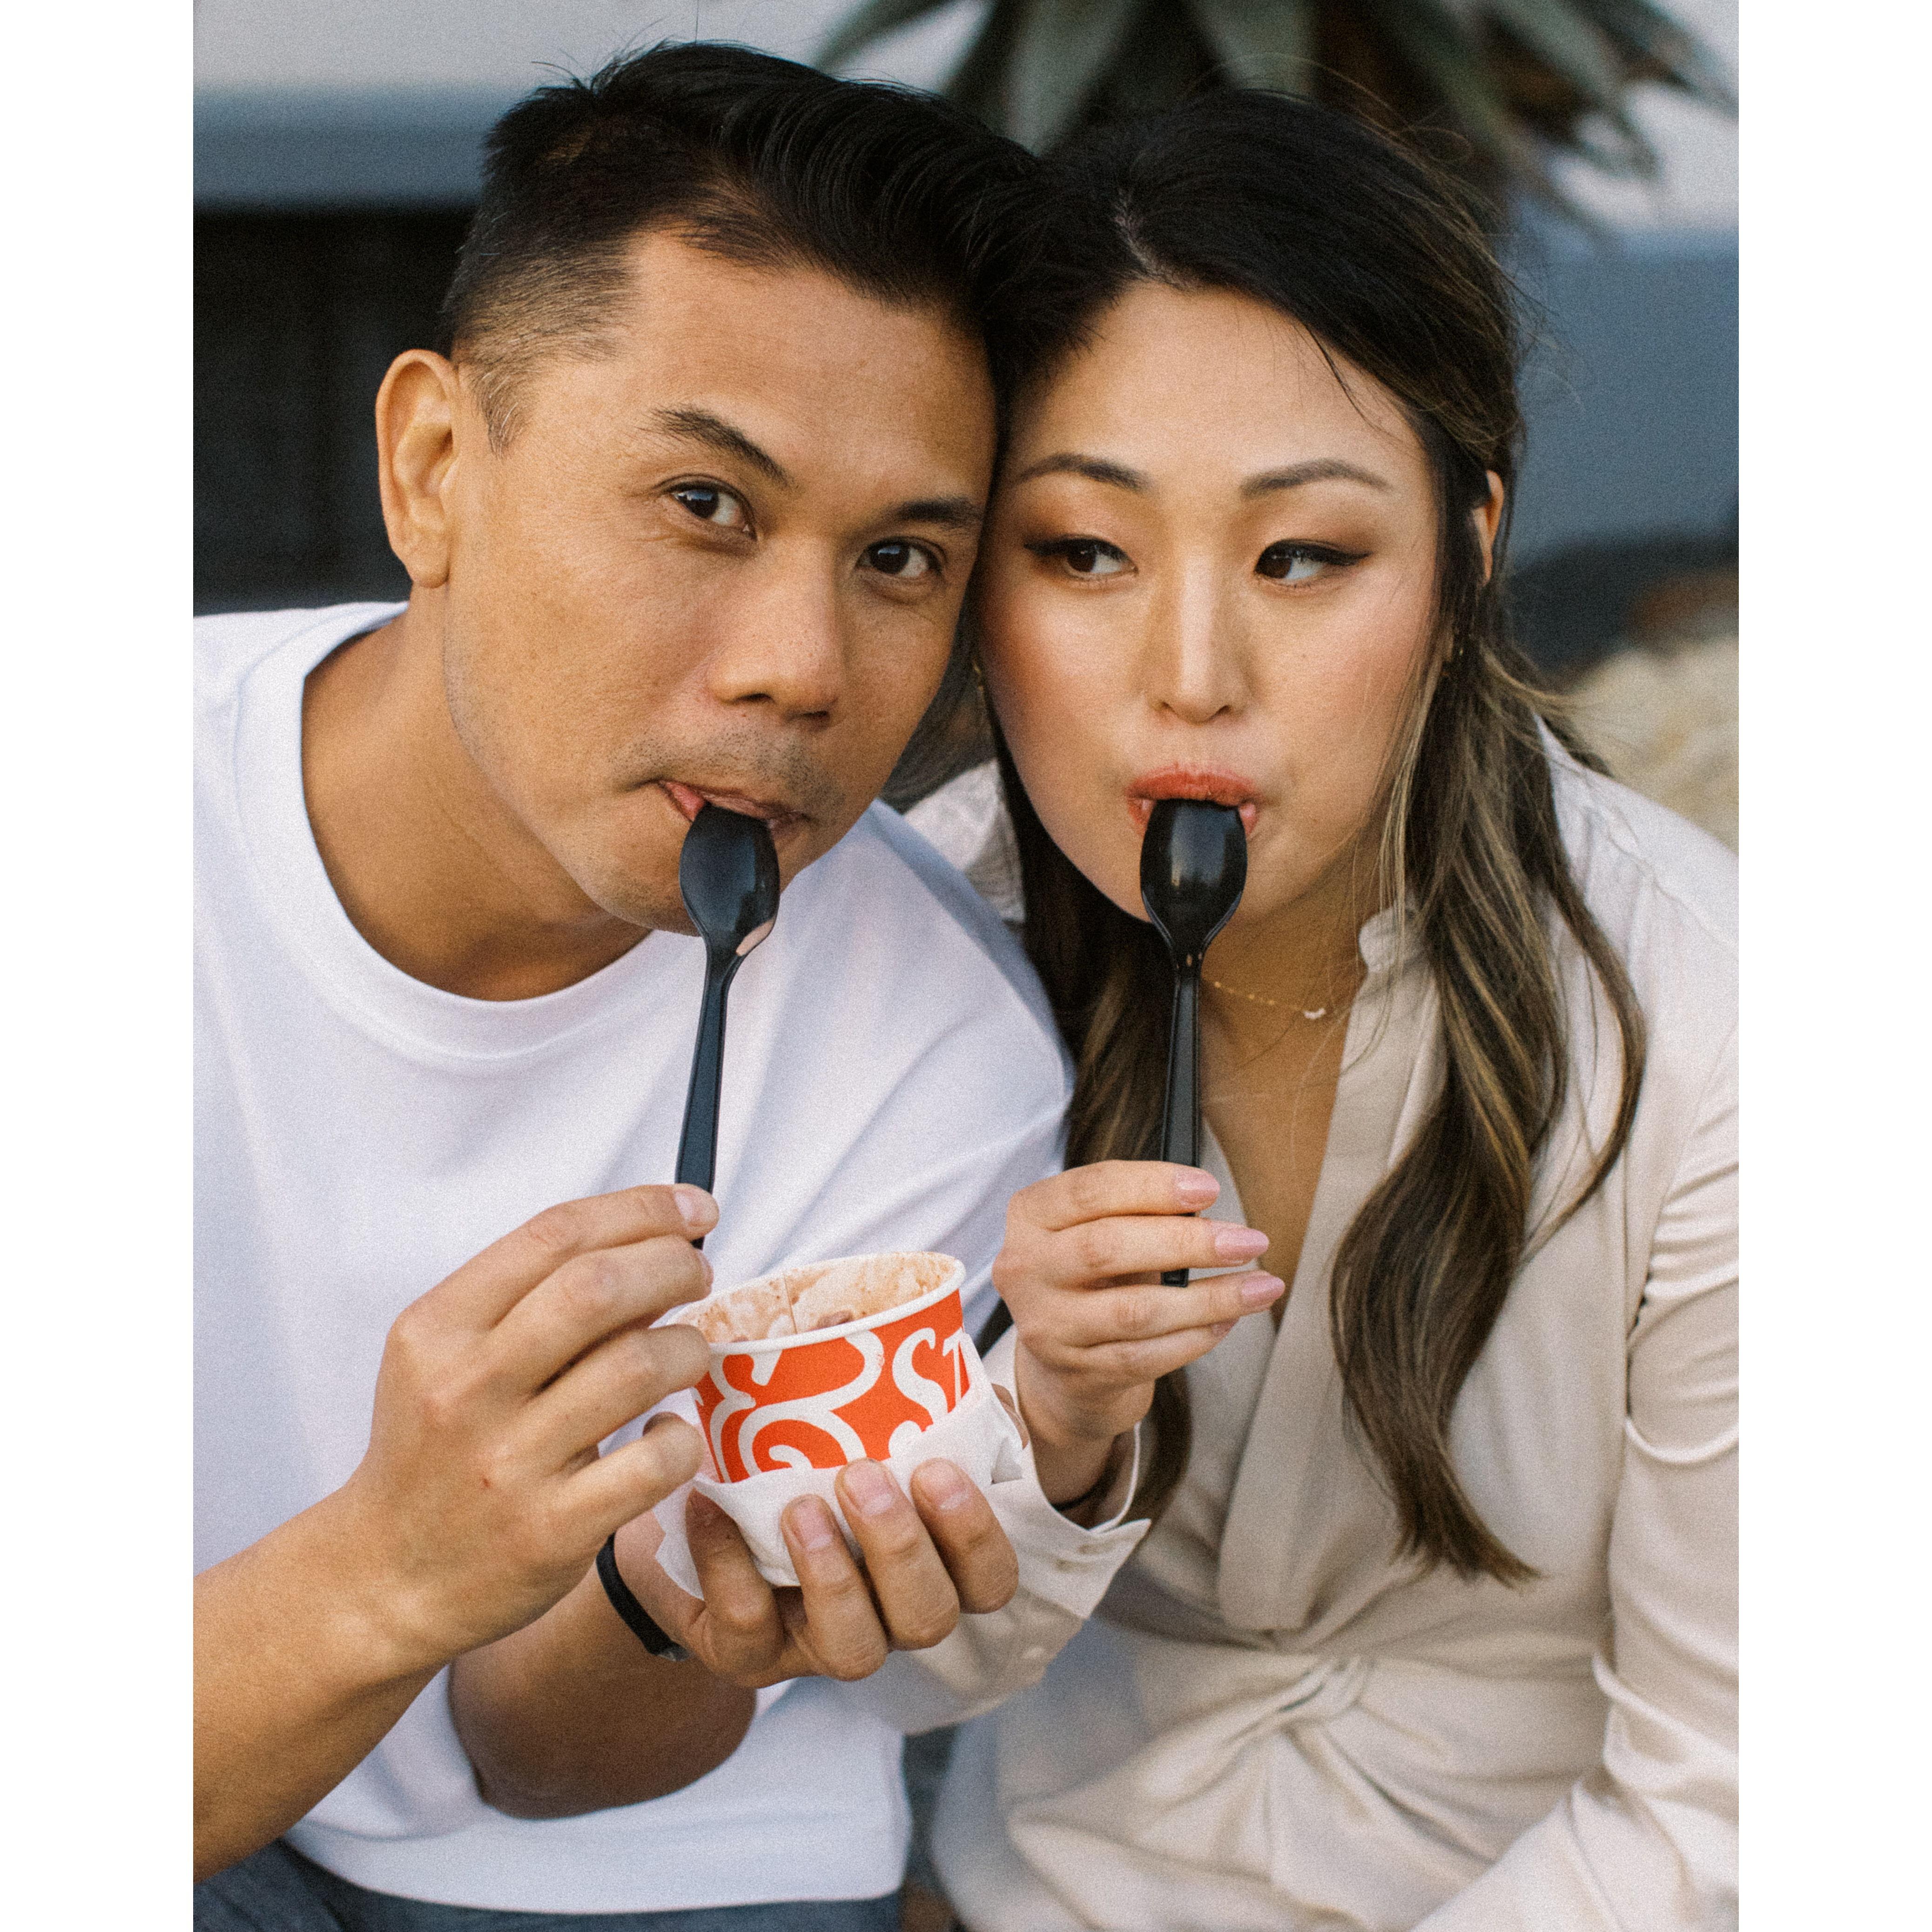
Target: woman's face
(1210, 574)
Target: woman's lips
(1215, 785)
(691, 800)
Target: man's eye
(1301, 563)
(1085, 557)
(908, 562)
(712, 505)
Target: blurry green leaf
(1688, 65)
(872, 22)
(1061, 49)
(1519, 80)
(1261, 43)
(978, 83)
(1440, 49)
(1572, 45)
(1165, 57)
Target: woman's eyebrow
(1095, 469)
(1319, 469)
(1098, 469)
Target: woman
(1435, 1624)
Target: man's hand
(482, 1498)
(926, 1559)
(1080, 1271)
(481, 1502)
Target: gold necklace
(1262, 1000)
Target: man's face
(723, 562)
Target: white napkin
(979, 1437)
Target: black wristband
(643, 1626)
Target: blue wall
(1631, 389)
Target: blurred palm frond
(1515, 83)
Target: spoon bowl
(1194, 864)
(728, 876)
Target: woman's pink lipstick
(1211, 782)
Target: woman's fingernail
(1194, 1189)
(810, 1522)
(1240, 1244)
(870, 1487)
(699, 1510)
(1259, 1290)
(945, 1486)
(697, 1207)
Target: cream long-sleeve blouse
(1272, 1722)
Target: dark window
(296, 318)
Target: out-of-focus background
(337, 157)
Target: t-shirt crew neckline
(406, 1014)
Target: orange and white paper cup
(834, 1362)
(864, 1357)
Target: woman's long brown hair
(1383, 261)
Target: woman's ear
(417, 410)
(1489, 517)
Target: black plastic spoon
(1194, 862)
(728, 875)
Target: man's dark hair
(758, 160)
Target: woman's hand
(1080, 1270)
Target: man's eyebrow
(695, 425)
(1320, 470)
(1095, 469)
(949, 513)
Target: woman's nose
(1193, 658)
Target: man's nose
(1192, 656)
(784, 644)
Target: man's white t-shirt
(892, 1075)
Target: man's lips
(691, 800)
(1210, 782)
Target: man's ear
(417, 410)
(1489, 517)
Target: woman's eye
(1085, 556)
(710, 504)
(1299, 563)
(906, 562)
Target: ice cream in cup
(863, 1358)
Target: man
(687, 512)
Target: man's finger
(1148, 1311)
(979, 1559)
(1109, 1187)
(589, 1297)
(636, 1477)
(489, 1285)
(675, 1611)
(740, 1635)
(842, 1630)
(915, 1595)
(617, 1382)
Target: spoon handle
(1180, 1125)
(697, 1145)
